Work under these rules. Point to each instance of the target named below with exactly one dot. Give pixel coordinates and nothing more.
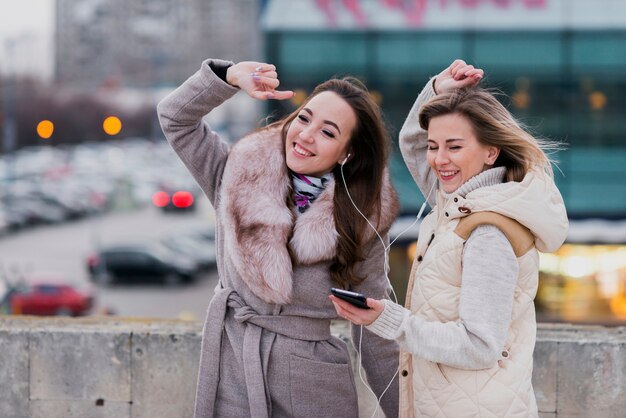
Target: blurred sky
(30, 24)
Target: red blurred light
(160, 199)
(182, 199)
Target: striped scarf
(307, 188)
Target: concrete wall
(119, 367)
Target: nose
(306, 135)
(442, 157)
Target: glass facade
(566, 86)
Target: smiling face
(454, 152)
(319, 136)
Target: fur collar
(259, 227)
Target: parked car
(192, 245)
(50, 299)
(141, 262)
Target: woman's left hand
(356, 315)
(258, 79)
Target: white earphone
(385, 269)
(345, 160)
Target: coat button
(505, 354)
(420, 258)
(405, 373)
(447, 214)
(456, 199)
(463, 209)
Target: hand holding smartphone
(354, 298)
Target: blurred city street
(58, 253)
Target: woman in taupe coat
(286, 234)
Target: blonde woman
(467, 332)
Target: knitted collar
(485, 178)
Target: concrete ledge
(97, 367)
(128, 367)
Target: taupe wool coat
(266, 348)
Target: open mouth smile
(301, 151)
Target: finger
(456, 65)
(340, 311)
(265, 67)
(270, 83)
(280, 94)
(376, 305)
(270, 74)
(475, 72)
(459, 72)
(339, 304)
(261, 95)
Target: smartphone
(356, 299)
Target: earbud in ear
(345, 160)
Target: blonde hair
(493, 124)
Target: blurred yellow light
(376, 97)
(597, 100)
(112, 125)
(45, 128)
(299, 97)
(521, 99)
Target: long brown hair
(368, 146)
(494, 125)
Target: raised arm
(180, 114)
(413, 139)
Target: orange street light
(112, 125)
(45, 128)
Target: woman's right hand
(459, 74)
(258, 79)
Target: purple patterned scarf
(307, 188)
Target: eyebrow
(448, 140)
(328, 122)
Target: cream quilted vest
(430, 389)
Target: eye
(328, 133)
(455, 147)
(431, 148)
(303, 118)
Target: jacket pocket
(320, 389)
(443, 372)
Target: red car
(51, 299)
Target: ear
(492, 155)
(345, 159)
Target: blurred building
(147, 43)
(562, 64)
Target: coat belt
(296, 327)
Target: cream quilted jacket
(430, 389)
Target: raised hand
(459, 74)
(258, 79)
